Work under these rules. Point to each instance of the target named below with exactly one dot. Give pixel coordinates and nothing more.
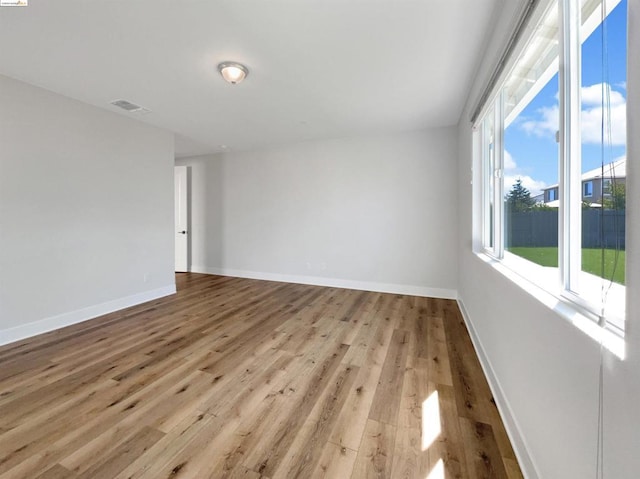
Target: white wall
(373, 213)
(546, 368)
(86, 211)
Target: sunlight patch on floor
(430, 420)
(438, 471)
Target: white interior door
(181, 211)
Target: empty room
(319, 239)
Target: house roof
(615, 169)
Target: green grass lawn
(591, 260)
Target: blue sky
(531, 148)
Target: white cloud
(547, 125)
(591, 118)
(592, 125)
(509, 162)
(534, 186)
(512, 171)
(592, 95)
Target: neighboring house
(595, 183)
(539, 199)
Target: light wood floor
(242, 378)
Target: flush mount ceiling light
(233, 72)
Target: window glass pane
(522, 193)
(531, 149)
(489, 154)
(603, 136)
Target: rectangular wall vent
(127, 105)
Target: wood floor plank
(305, 453)
(63, 390)
(386, 401)
(353, 418)
(481, 451)
(268, 452)
(360, 317)
(57, 472)
(485, 406)
(52, 341)
(116, 414)
(26, 439)
(253, 376)
(336, 461)
(411, 456)
(120, 457)
(200, 455)
(375, 454)
(242, 472)
(240, 378)
(374, 332)
(437, 352)
(473, 397)
(169, 457)
(248, 414)
(450, 446)
(512, 468)
(409, 460)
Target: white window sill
(543, 284)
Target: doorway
(181, 230)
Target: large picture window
(553, 143)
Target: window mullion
(570, 211)
(499, 176)
(486, 186)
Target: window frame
(570, 185)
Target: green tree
(543, 207)
(617, 199)
(519, 198)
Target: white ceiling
(318, 68)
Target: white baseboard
(511, 425)
(333, 282)
(72, 317)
